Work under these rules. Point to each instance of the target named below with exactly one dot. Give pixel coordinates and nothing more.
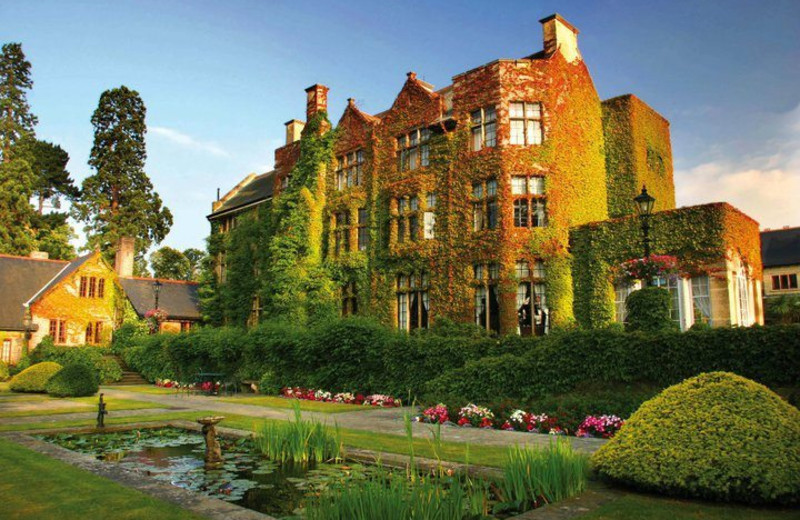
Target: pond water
(247, 478)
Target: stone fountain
(213, 457)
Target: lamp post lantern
(644, 205)
(156, 290)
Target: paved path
(382, 420)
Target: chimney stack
(123, 260)
(294, 128)
(40, 255)
(561, 35)
(316, 100)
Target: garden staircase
(129, 377)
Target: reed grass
(299, 440)
(534, 475)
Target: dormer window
(413, 149)
(526, 123)
(484, 128)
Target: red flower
(463, 421)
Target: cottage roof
(178, 298)
(780, 247)
(257, 190)
(21, 278)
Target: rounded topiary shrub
(75, 380)
(648, 310)
(716, 436)
(34, 378)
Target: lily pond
(247, 478)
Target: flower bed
(473, 416)
(310, 394)
(208, 387)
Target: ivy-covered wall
(638, 152)
(701, 237)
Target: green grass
(271, 401)
(34, 486)
(549, 474)
(83, 404)
(4, 389)
(145, 389)
(299, 440)
(648, 507)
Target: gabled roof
(70, 268)
(259, 189)
(178, 298)
(21, 278)
(780, 247)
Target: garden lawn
(83, 404)
(4, 387)
(271, 401)
(34, 486)
(145, 389)
(649, 507)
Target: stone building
(476, 202)
(780, 254)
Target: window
(186, 326)
(621, 293)
(413, 149)
(341, 232)
(413, 302)
(487, 304)
(349, 299)
(58, 331)
(485, 213)
(6, 356)
(701, 300)
(363, 230)
(349, 170)
(101, 288)
(408, 210)
(82, 290)
(94, 333)
(255, 311)
(782, 282)
(743, 286)
(673, 285)
(526, 123)
(92, 287)
(429, 225)
(530, 206)
(532, 312)
(484, 128)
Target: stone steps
(129, 377)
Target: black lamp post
(644, 205)
(156, 290)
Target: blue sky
(219, 79)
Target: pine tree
(17, 236)
(119, 200)
(16, 120)
(49, 165)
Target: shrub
(3, 371)
(267, 385)
(715, 436)
(34, 378)
(76, 380)
(648, 310)
(108, 370)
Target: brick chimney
(316, 100)
(294, 129)
(560, 35)
(123, 260)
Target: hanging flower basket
(647, 268)
(154, 319)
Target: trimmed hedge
(648, 310)
(358, 354)
(76, 380)
(107, 369)
(3, 371)
(34, 378)
(715, 436)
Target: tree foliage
(53, 235)
(17, 236)
(48, 163)
(195, 257)
(119, 199)
(170, 264)
(16, 119)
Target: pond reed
(299, 440)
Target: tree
(49, 165)
(119, 200)
(17, 236)
(170, 264)
(195, 257)
(53, 235)
(16, 120)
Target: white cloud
(188, 141)
(766, 187)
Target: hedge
(76, 380)
(34, 378)
(358, 354)
(95, 358)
